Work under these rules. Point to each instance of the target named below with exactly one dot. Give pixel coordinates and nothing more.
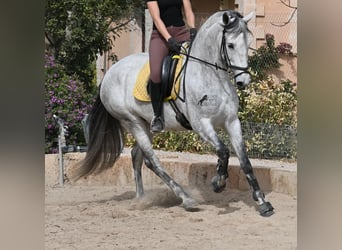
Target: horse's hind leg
(234, 130)
(137, 160)
(153, 163)
(187, 202)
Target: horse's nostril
(240, 85)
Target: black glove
(193, 32)
(174, 45)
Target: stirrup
(157, 124)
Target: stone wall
(187, 169)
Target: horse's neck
(206, 47)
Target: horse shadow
(199, 179)
(227, 201)
(199, 187)
(154, 196)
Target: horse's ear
(225, 19)
(249, 16)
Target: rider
(168, 32)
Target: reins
(226, 58)
(229, 67)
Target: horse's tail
(105, 142)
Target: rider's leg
(157, 123)
(158, 50)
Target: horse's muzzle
(242, 80)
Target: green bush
(269, 141)
(266, 57)
(269, 102)
(66, 97)
(271, 110)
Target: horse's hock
(186, 168)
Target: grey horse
(216, 65)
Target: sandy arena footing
(101, 212)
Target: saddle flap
(172, 89)
(168, 72)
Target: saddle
(171, 67)
(168, 73)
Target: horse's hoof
(190, 204)
(266, 209)
(218, 184)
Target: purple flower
(66, 97)
(54, 99)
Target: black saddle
(168, 72)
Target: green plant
(269, 102)
(186, 141)
(269, 113)
(66, 97)
(266, 57)
(79, 30)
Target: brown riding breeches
(159, 49)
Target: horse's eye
(230, 45)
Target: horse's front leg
(219, 181)
(208, 133)
(235, 132)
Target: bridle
(229, 67)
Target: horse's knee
(223, 153)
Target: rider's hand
(174, 45)
(193, 32)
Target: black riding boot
(157, 123)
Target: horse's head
(236, 40)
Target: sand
(110, 217)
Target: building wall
(129, 42)
(273, 17)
